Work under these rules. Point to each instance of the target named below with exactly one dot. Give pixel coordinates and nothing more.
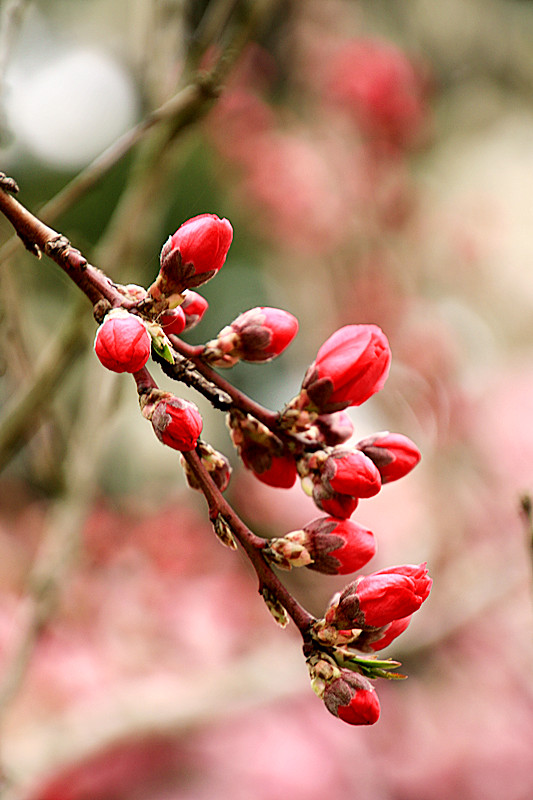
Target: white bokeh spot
(73, 108)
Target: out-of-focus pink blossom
(375, 82)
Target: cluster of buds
(186, 316)
(311, 439)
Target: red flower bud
(216, 464)
(278, 471)
(122, 342)
(334, 428)
(381, 597)
(264, 333)
(337, 505)
(350, 472)
(173, 321)
(338, 547)
(194, 254)
(393, 454)
(257, 335)
(261, 452)
(350, 367)
(352, 698)
(372, 640)
(177, 423)
(194, 307)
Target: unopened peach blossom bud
(257, 335)
(394, 454)
(192, 255)
(352, 698)
(350, 367)
(122, 342)
(177, 423)
(194, 307)
(377, 599)
(173, 321)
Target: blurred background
(375, 159)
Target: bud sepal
(276, 608)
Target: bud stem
(251, 544)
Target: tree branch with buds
(307, 439)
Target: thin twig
(249, 541)
(24, 413)
(38, 238)
(187, 106)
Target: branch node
(60, 249)
(100, 309)
(8, 184)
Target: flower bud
(337, 505)
(173, 321)
(350, 367)
(352, 698)
(122, 342)
(257, 335)
(216, 464)
(337, 547)
(261, 452)
(372, 640)
(193, 255)
(176, 422)
(393, 454)
(334, 429)
(381, 597)
(194, 307)
(351, 472)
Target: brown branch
(249, 541)
(239, 399)
(40, 238)
(251, 544)
(270, 419)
